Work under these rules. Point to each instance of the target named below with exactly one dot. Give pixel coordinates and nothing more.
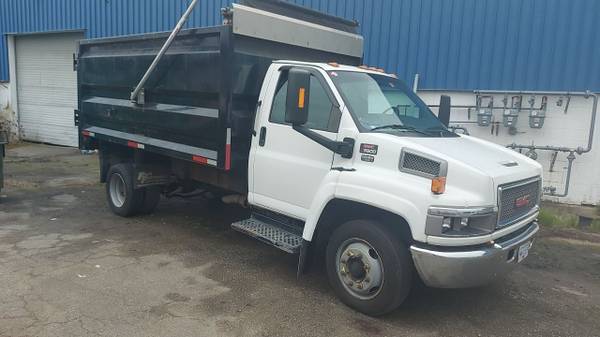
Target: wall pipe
(571, 157)
(579, 150)
(552, 190)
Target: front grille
(516, 200)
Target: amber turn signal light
(301, 98)
(438, 185)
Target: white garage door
(47, 87)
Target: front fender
(371, 191)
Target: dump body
(199, 103)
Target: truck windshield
(384, 104)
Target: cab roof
(338, 67)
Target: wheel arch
(111, 154)
(338, 211)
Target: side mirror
(444, 110)
(298, 93)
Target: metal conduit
(571, 157)
(551, 191)
(579, 150)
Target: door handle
(262, 137)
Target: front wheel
(369, 267)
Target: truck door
(286, 168)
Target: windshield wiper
(401, 127)
(439, 129)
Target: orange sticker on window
(301, 98)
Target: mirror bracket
(344, 148)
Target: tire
(149, 200)
(376, 260)
(122, 198)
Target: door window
(321, 113)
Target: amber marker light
(438, 185)
(301, 98)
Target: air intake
(422, 164)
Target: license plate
(523, 251)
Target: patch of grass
(554, 219)
(595, 226)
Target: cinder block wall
(568, 129)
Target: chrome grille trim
(508, 212)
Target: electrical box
(484, 107)
(511, 116)
(537, 116)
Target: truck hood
(497, 162)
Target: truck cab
(461, 210)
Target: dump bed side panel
(186, 96)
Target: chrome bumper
(452, 267)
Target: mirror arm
(344, 148)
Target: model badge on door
(367, 158)
(368, 148)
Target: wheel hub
(359, 268)
(117, 190)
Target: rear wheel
(369, 267)
(123, 199)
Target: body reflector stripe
(135, 145)
(204, 160)
(228, 150)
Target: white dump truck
(338, 162)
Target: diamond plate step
(270, 234)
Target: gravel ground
(69, 267)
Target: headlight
(450, 221)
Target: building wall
(455, 46)
(570, 129)
(451, 44)
(4, 102)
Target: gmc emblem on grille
(522, 201)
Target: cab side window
(321, 115)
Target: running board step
(270, 233)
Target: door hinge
(76, 117)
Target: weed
(553, 218)
(595, 226)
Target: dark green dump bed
(199, 102)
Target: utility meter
(537, 116)
(511, 116)
(484, 106)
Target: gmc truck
(338, 163)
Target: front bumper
(455, 267)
